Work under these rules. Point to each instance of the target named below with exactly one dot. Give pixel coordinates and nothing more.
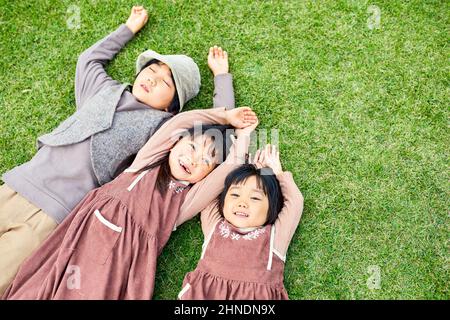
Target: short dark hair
(174, 106)
(266, 180)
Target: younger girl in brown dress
(107, 248)
(247, 232)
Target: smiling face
(154, 86)
(246, 205)
(192, 158)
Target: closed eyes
(206, 161)
(167, 83)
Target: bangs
(241, 179)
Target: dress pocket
(107, 223)
(102, 236)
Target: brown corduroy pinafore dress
(107, 248)
(236, 265)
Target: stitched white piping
(106, 222)
(184, 290)
(205, 244)
(139, 177)
(269, 263)
(283, 258)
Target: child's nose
(242, 204)
(152, 81)
(196, 158)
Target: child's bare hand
(268, 157)
(241, 118)
(247, 131)
(137, 19)
(218, 60)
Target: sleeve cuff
(239, 151)
(223, 77)
(284, 175)
(124, 33)
(224, 80)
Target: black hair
(221, 136)
(265, 179)
(174, 106)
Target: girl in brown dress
(107, 248)
(247, 232)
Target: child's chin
(140, 97)
(181, 176)
(178, 176)
(238, 223)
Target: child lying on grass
(112, 122)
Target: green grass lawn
(362, 115)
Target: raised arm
(90, 74)
(289, 217)
(223, 80)
(223, 91)
(209, 218)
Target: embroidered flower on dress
(235, 236)
(254, 234)
(227, 233)
(179, 189)
(172, 185)
(224, 230)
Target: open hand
(268, 157)
(137, 19)
(218, 60)
(242, 117)
(247, 131)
